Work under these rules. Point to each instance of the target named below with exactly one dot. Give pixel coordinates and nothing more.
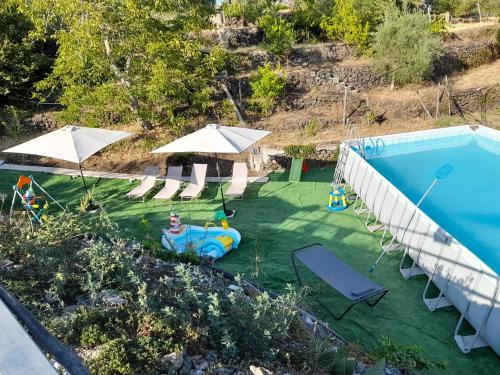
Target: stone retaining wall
(275, 159)
(475, 99)
(457, 58)
(301, 54)
(355, 77)
(242, 37)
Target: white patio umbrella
(215, 139)
(71, 143)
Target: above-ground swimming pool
(453, 237)
(466, 203)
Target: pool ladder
(352, 139)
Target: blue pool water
(466, 203)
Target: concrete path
(19, 355)
(122, 176)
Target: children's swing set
(36, 206)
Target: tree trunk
(134, 103)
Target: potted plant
(298, 153)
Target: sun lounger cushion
(339, 275)
(239, 180)
(197, 182)
(172, 183)
(147, 183)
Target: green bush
(346, 24)
(307, 15)
(372, 11)
(404, 47)
(311, 128)
(459, 8)
(11, 122)
(268, 86)
(75, 258)
(405, 357)
(248, 10)
(438, 26)
(232, 324)
(279, 35)
(299, 151)
(23, 60)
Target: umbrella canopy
(215, 138)
(71, 143)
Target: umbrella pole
(83, 179)
(228, 213)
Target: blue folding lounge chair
(339, 275)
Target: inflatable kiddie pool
(214, 242)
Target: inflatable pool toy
(337, 200)
(209, 240)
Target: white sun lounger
(239, 181)
(196, 182)
(172, 184)
(147, 183)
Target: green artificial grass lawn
(277, 217)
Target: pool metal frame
(463, 280)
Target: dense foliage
(124, 311)
(408, 358)
(123, 60)
(247, 10)
(22, 61)
(307, 16)
(279, 34)
(404, 46)
(299, 151)
(268, 86)
(465, 7)
(345, 24)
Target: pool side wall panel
(455, 269)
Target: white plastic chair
(196, 183)
(172, 184)
(239, 180)
(147, 183)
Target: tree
(307, 14)
(268, 85)
(465, 7)
(122, 60)
(404, 47)
(21, 62)
(278, 34)
(346, 24)
(247, 10)
(372, 11)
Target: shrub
(278, 34)
(372, 11)
(268, 86)
(466, 7)
(404, 47)
(248, 10)
(299, 151)
(307, 15)
(345, 24)
(164, 308)
(405, 357)
(231, 323)
(438, 26)
(11, 122)
(310, 128)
